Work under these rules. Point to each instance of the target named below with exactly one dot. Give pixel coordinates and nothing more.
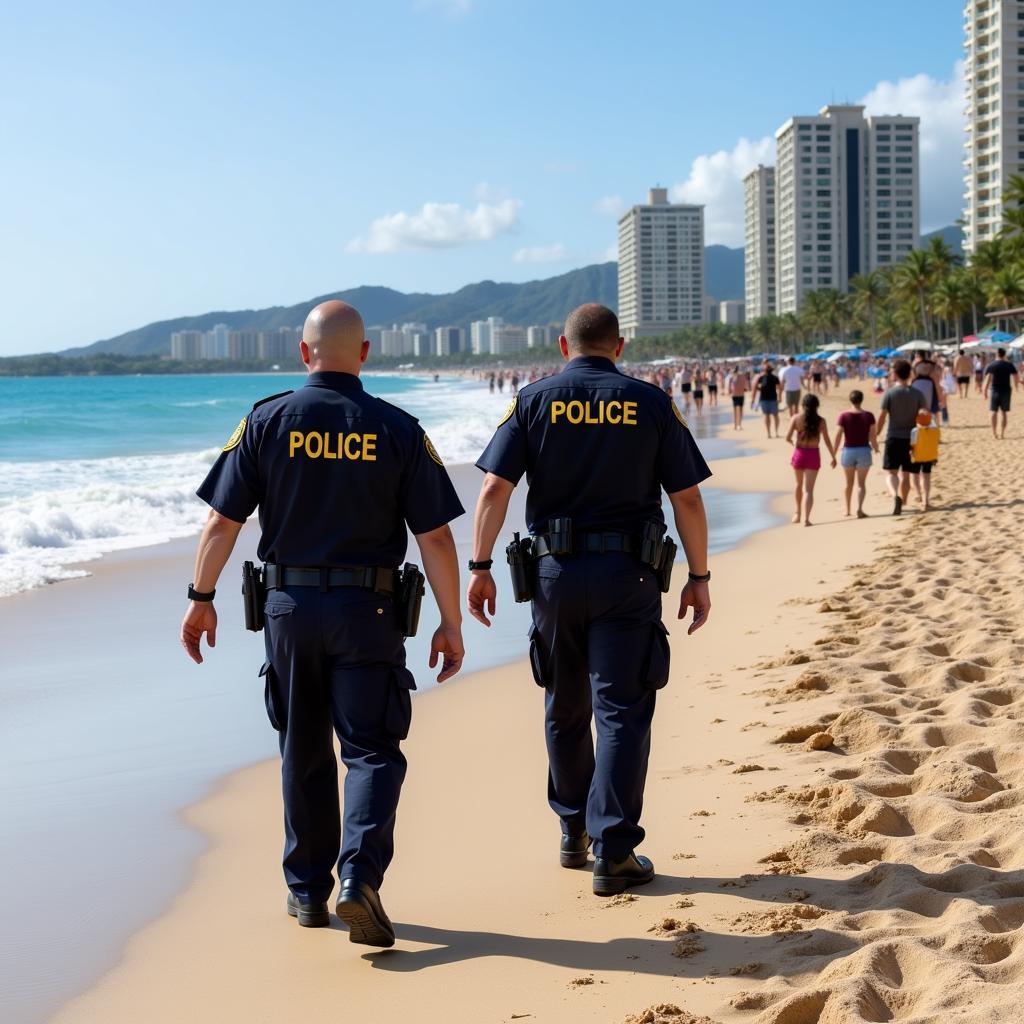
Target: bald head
(333, 338)
(592, 329)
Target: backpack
(924, 439)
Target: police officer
(597, 447)
(337, 476)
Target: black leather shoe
(573, 853)
(360, 908)
(310, 914)
(613, 877)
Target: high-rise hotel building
(994, 73)
(661, 266)
(759, 252)
(847, 200)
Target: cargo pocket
(398, 716)
(658, 658)
(538, 660)
(272, 697)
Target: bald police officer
(337, 476)
(597, 447)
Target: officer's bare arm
(692, 525)
(491, 510)
(215, 547)
(441, 564)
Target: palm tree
(974, 293)
(1007, 290)
(815, 314)
(836, 311)
(869, 291)
(949, 298)
(791, 326)
(914, 275)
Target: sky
(162, 160)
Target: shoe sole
(364, 927)
(613, 885)
(317, 919)
(572, 860)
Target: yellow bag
(924, 444)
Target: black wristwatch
(198, 595)
(694, 578)
(486, 564)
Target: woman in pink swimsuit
(810, 430)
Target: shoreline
(738, 473)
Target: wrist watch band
(706, 578)
(199, 595)
(486, 564)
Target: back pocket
(398, 716)
(538, 658)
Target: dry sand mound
(924, 780)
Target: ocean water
(90, 465)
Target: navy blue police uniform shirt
(596, 446)
(336, 474)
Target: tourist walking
(999, 377)
(767, 388)
(857, 435)
(900, 406)
(792, 377)
(806, 432)
(963, 370)
(739, 385)
(698, 391)
(714, 376)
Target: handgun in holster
(519, 555)
(254, 596)
(409, 598)
(658, 552)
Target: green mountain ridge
(533, 302)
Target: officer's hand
(447, 643)
(200, 618)
(698, 597)
(481, 596)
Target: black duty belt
(381, 580)
(592, 543)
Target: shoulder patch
(270, 398)
(236, 438)
(509, 411)
(431, 450)
(397, 408)
(679, 414)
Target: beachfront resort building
(661, 266)
(759, 248)
(847, 199)
(448, 340)
(994, 76)
(732, 311)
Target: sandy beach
(876, 878)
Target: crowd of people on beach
(916, 393)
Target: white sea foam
(55, 515)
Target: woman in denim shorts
(858, 434)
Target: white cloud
(556, 253)
(611, 206)
(940, 105)
(452, 7)
(438, 225)
(716, 181)
(611, 254)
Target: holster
(659, 552)
(519, 557)
(254, 596)
(409, 598)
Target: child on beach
(859, 438)
(924, 450)
(809, 430)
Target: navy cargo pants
(336, 663)
(599, 648)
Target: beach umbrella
(916, 346)
(877, 371)
(999, 336)
(1017, 343)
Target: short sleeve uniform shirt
(337, 476)
(595, 445)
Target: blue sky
(162, 160)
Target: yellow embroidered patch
(236, 438)
(680, 416)
(431, 450)
(508, 412)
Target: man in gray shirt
(900, 406)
